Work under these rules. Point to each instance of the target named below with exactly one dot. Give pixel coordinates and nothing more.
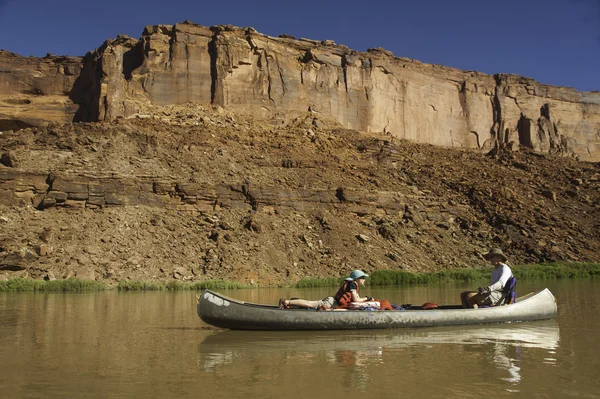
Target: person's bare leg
(301, 303)
(463, 298)
(476, 299)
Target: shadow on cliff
(86, 89)
(132, 60)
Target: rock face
(245, 71)
(36, 90)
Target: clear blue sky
(556, 42)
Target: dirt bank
(196, 193)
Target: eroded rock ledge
(245, 71)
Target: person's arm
(356, 297)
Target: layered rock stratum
(245, 71)
(218, 153)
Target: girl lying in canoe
(347, 296)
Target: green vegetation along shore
(378, 278)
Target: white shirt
(500, 275)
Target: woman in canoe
(347, 293)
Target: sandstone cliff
(36, 90)
(245, 71)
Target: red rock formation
(243, 70)
(35, 90)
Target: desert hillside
(196, 192)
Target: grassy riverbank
(76, 285)
(525, 272)
(378, 278)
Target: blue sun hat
(356, 274)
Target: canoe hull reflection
(221, 311)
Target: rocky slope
(245, 71)
(196, 192)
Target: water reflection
(508, 361)
(359, 354)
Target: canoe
(221, 311)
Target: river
(153, 344)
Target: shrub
(68, 285)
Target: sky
(555, 42)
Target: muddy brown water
(123, 345)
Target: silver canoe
(221, 311)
